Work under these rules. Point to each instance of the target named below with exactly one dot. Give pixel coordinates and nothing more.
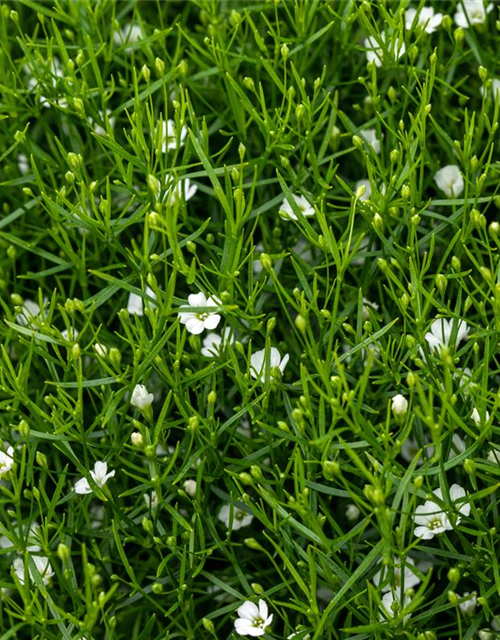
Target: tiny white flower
(99, 475)
(6, 461)
(457, 446)
(471, 12)
(70, 335)
(406, 579)
(141, 398)
(136, 439)
(135, 305)
(494, 456)
(190, 487)
(100, 129)
(432, 520)
(450, 180)
(42, 564)
(352, 512)
(286, 212)
(184, 190)
(100, 349)
(151, 500)
(169, 137)
(469, 606)
(389, 600)
(494, 89)
(464, 380)
(427, 19)
(297, 634)
(214, 344)
(197, 321)
(375, 54)
(240, 518)
(253, 620)
(441, 332)
(476, 417)
(29, 311)
(370, 136)
(258, 369)
(23, 163)
(399, 405)
(363, 189)
(129, 34)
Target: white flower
(476, 417)
(240, 518)
(151, 500)
(23, 163)
(300, 637)
(495, 90)
(363, 189)
(197, 321)
(100, 129)
(253, 619)
(99, 476)
(464, 380)
(214, 344)
(432, 520)
(370, 136)
(352, 512)
(134, 305)
(141, 398)
(399, 405)
(100, 349)
(183, 190)
(190, 487)
(471, 12)
(366, 308)
(457, 446)
(29, 311)
(450, 181)
(375, 54)
(441, 332)
(494, 456)
(410, 449)
(70, 335)
(42, 564)
(405, 579)
(169, 137)
(6, 460)
(258, 365)
(130, 33)
(388, 600)
(426, 19)
(469, 606)
(286, 212)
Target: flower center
(202, 316)
(258, 623)
(435, 523)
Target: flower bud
(74, 161)
(212, 397)
(441, 283)
(399, 405)
(208, 625)
(378, 222)
(483, 74)
(157, 588)
(459, 35)
(146, 73)
(249, 83)
(63, 552)
(137, 439)
(284, 52)
(41, 460)
(358, 143)
(266, 261)
(454, 576)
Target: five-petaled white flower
(471, 12)
(399, 405)
(169, 137)
(240, 518)
(426, 19)
(370, 135)
(99, 475)
(259, 367)
(403, 576)
(391, 605)
(6, 460)
(42, 564)
(214, 344)
(286, 212)
(450, 180)
(253, 619)
(441, 333)
(197, 321)
(432, 520)
(375, 53)
(141, 398)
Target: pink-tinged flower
(197, 321)
(258, 368)
(253, 620)
(450, 180)
(286, 212)
(425, 19)
(441, 332)
(99, 475)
